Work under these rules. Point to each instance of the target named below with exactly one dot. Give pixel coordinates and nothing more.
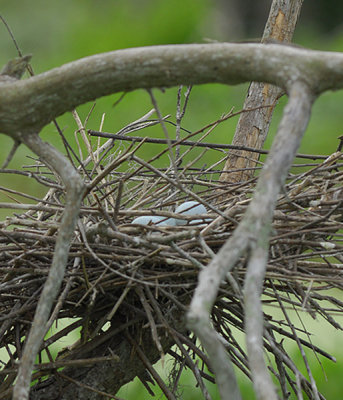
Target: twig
(153, 328)
(10, 155)
(179, 115)
(290, 324)
(184, 142)
(12, 36)
(67, 363)
(165, 130)
(169, 395)
(90, 388)
(62, 296)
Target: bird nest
(131, 283)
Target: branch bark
(252, 237)
(30, 104)
(74, 192)
(107, 376)
(258, 221)
(252, 127)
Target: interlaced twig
(169, 259)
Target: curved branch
(252, 235)
(34, 102)
(258, 220)
(74, 192)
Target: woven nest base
(132, 283)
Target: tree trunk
(253, 126)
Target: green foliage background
(56, 32)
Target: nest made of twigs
(143, 276)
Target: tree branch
(258, 220)
(32, 103)
(252, 235)
(74, 192)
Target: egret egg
(189, 208)
(154, 219)
(200, 222)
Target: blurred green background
(56, 32)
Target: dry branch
(257, 223)
(74, 191)
(30, 104)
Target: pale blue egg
(200, 222)
(154, 219)
(189, 208)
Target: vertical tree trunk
(252, 127)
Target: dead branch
(30, 104)
(74, 191)
(252, 236)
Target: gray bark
(252, 127)
(30, 104)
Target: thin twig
(10, 155)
